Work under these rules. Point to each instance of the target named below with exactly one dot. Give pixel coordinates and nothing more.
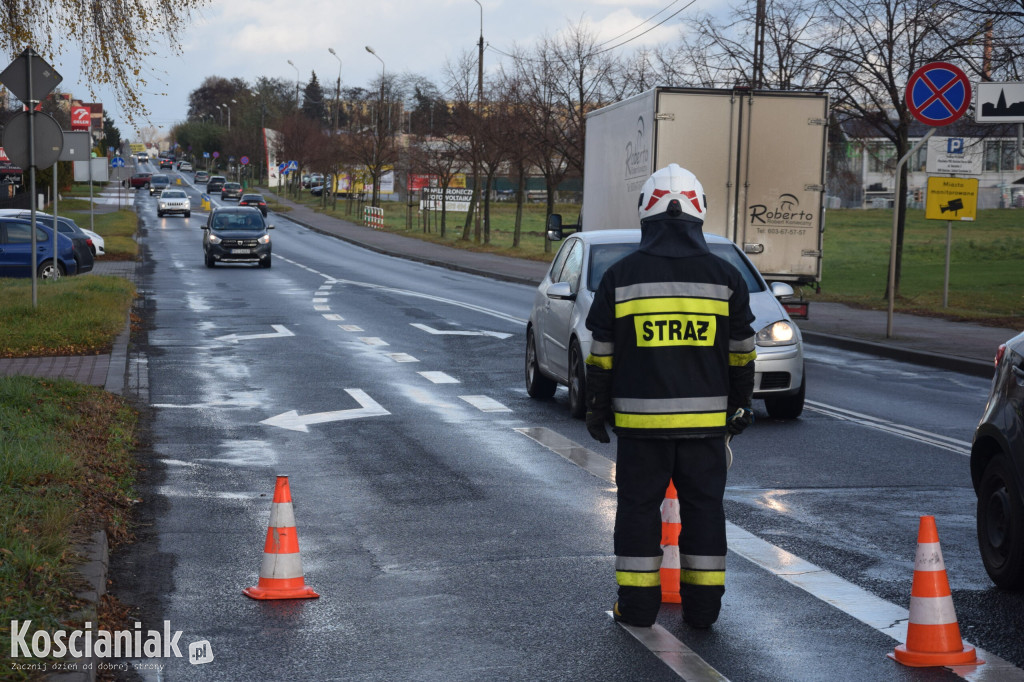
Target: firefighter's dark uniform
(672, 357)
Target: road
(456, 529)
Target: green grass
(75, 315)
(65, 469)
(117, 228)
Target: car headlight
(779, 333)
(265, 239)
(214, 239)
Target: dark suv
(236, 235)
(215, 183)
(158, 183)
(997, 470)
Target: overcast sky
(257, 38)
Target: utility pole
(479, 116)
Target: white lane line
(484, 403)
(402, 357)
(319, 300)
(954, 445)
(438, 377)
(321, 307)
(373, 341)
(883, 616)
(333, 317)
(680, 658)
(350, 328)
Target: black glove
(739, 420)
(596, 427)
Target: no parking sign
(938, 94)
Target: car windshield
(157, 179)
(174, 194)
(238, 221)
(602, 256)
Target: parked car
(558, 342)
(166, 163)
(319, 191)
(254, 200)
(184, 166)
(997, 470)
(231, 190)
(312, 180)
(139, 180)
(158, 183)
(16, 251)
(236, 235)
(201, 177)
(173, 201)
(215, 183)
(87, 243)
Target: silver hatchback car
(558, 342)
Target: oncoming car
(236, 235)
(173, 201)
(558, 342)
(158, 183)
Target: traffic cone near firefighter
(933, 635)
(671, 525)
(281, 572)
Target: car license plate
(241, 250)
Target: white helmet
(673, 190)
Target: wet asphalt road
(446, 544)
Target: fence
(373, 216)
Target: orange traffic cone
(281, 572)
(671, 525)
(933, 636)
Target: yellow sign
(136, 148)
(951, 198)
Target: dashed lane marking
(350, 328)
(373, 341)
(484, 403)
(333, 317)
(438, 377)
(402, 357)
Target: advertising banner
(456, 200)
(81, 118)
(270, 138)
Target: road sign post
(937, 94)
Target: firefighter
(672, 369)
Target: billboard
(81, 118)
(270, 141)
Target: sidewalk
(934, 342)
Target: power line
(650, 18)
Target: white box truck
(760, 156)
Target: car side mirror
(560, 291)
(270, 227)
(781, 289)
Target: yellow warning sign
(951, 198)
(137, 147)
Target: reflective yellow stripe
(602, 361)
(740, 359)
(630, 579)
(670, 421)
(702, 577)
(643, 306)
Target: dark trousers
(697, 466)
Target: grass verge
(75, 315)
(66, 469)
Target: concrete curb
(952, 363)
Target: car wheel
(159, 214)
(538, 386)
(188, 214)
(789, 406)
(1001, 524)
(47, 271)
(265, 263)
(577, 382)
(210, 262)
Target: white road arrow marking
(453, 332)
(280, 331)
(292, 421)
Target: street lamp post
(263, 139)
(234, 101)
(220, 115)
(337, 114)
(296, 83)
(379, 124)
(479, 115)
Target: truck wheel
(538, 386)
(1001, 524)
(789, 406)
(577, 382)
